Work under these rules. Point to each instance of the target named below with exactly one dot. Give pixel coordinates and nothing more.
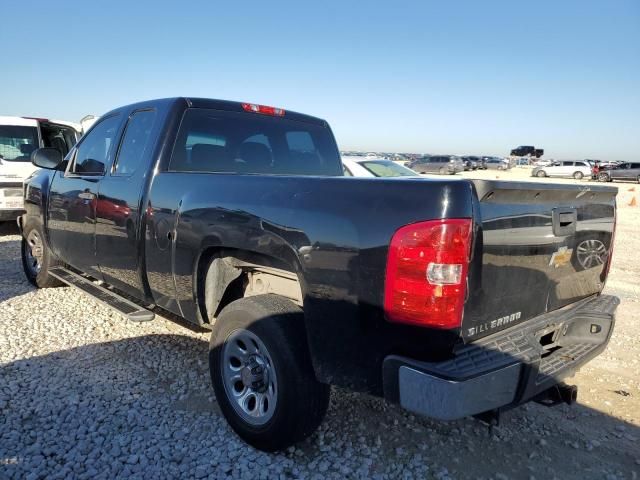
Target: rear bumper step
(127, 308)
(506, 369)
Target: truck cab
(19, 136)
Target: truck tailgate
(539, 248)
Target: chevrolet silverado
(450, 297)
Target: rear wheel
(37, 259)
(578, 175)
(442, 171)
(604, 177)
(541, 174)
(262, 374)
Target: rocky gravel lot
(84, 394)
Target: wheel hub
(254, 375)
(35, 252)
(249, 377)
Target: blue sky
(426, 76)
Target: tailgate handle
(564, 221)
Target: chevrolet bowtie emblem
(561, 257)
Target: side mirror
(49, 158)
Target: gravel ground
(84, 394)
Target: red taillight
(427, 273)
(264, 109)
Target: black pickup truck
(450, 297)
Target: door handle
(86, 195)
(564, 221)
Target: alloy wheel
(591, 253)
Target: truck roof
(215, 104)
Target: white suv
(19, 137)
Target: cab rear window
(230, 142)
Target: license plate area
(11, 199)
(13, 204)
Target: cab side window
(93, 152)
(135, 142)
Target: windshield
(387, 168)
(17, 142)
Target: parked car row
(579, 169)
(359, 166)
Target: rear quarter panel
(333, 232)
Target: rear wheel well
(226, 275)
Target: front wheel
(541, 174)
(604, 177)
(37, 259)
(262, 374)
(578, 175)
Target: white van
(19, 136)
(577, 169)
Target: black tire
(541, 174)
(604, 177)
(301, 401)
(38, 275)
(578, 175)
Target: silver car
(496, 163)
(442, 164)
